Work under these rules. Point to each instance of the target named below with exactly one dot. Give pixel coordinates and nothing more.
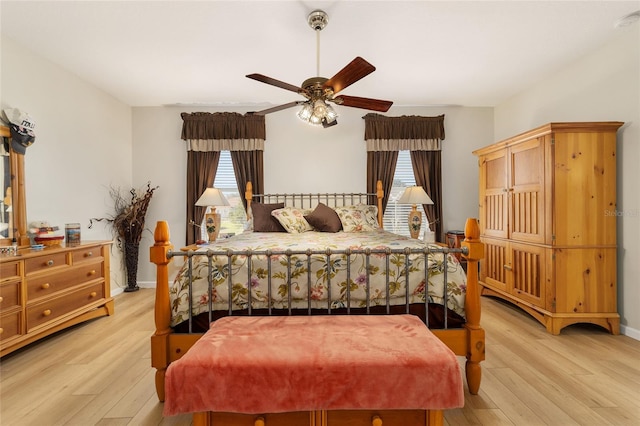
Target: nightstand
(454, 238)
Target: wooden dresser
(548, 221)
(47, 290)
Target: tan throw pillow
(292, 219)
(359, 218)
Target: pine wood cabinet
(45, 291)
(547, 218)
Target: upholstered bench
(315, 370)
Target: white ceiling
(471, 53)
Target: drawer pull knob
(93, 294)
(88, 254)
(1, 330)
(46, 312)
(50, 263)
(1, 299)
(259, 422)
(92, 272)
(376, 421)
(45, 286)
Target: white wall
(83, 144)
(302, 158)
(602, 86)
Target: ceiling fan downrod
(318, 19)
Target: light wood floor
(99, 373)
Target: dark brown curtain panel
(427, 169)
(201, 172)
(248, 167)
(381, 165)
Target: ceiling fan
(319, 90)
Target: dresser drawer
(298, 418)
(46, 285)
(48, 310)
(9, 270)
(9, 295)
(46, 262)
(87, 254)
(9, 325)
(364, 417)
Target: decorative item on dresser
(45, 291)
(547, 218)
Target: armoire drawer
(9, 295)
(45, 263)
(9, 325)
(41, 313)
(46, 285)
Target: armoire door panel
(526, 183)
(528, 268)
(494, 268)
(493, 208)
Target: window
(395, 215)
(233, 217)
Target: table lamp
(212, 197)
(414, 195)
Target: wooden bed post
(379, 197)
(475, 346)
(248, 195)
(160, 339)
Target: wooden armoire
(548, 221)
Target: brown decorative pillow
(262, 219)
(324, 219)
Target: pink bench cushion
(279, 364)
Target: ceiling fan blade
(354, 71)
(325, 124)
(277, 108)
(272, 81)
(364, 103)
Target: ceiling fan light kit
(319, 91)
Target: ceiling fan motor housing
(317, 20)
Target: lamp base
(212, 225)
(415, 222)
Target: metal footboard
(345, 254)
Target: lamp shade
(414, 195)
(212, 197)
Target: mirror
(13, 209)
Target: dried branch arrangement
(128, 219)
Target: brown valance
(205, 131)
(378, 126)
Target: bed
(305, 272)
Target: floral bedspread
(310, 285)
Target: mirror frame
(18, 196)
